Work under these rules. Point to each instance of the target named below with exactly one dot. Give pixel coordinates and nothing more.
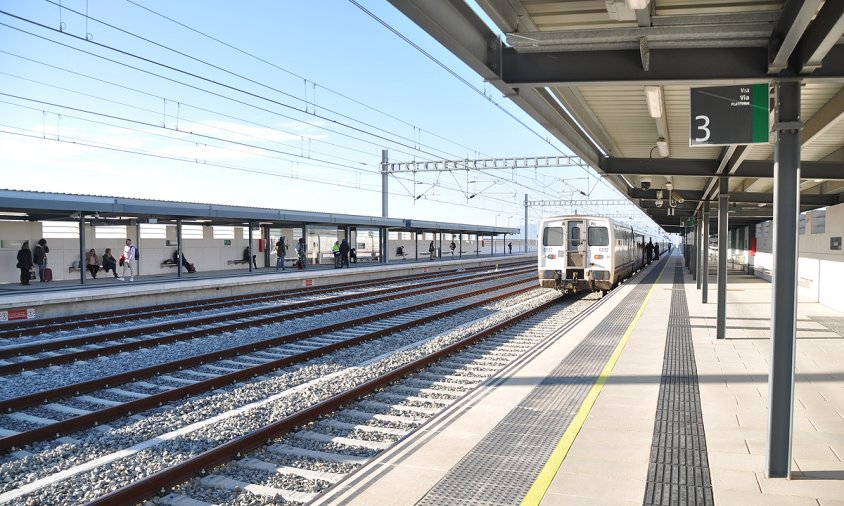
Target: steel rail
(393, 293)
(176, 474)
(30, 327)
(85, 421)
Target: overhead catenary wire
(198, 88)
(416, 143)
(289, 72)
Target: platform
(577, 424)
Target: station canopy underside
(103, 211)
(612, 79)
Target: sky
(278, 104)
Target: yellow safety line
(543, 481)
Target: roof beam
(737, 197)
(693, 167)
(794, 19)
(827, 116)
(688, 66)
(824, 32)
(658, 37)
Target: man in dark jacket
(344, 253)
(40, 257)
(24, 262)
(649, 251)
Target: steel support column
(704, 247)
(83, 262)
(384, 180)
(698, 235)
(784, 291)
(249, 246)
(179, 248)
(723, 241)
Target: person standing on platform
(431, 249)
(92, 263)
(129, 262)
(510, 247)
(281, 252)
(109, 263)
(40, 258)
(656, 251)
(301, 253)
(344, 253)
(452, 247)
(25, 262)
(649, 251)
(335, 250)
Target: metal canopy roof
(581, 67)
(102, 210)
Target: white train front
(589, 252)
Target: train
(578, 252)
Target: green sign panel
(729, 115)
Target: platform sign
(17, 314)
(725, 115)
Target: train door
(575, 245)
(553, 257)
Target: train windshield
(598, 236)
(552, 236)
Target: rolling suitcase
(48, 274)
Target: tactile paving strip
(502, 467)
(679, 467)
(833, 323)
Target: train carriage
(587, 253)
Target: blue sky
(302, 129)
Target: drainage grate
(503, 466)
(679, 467)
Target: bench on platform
(168, 263)
(237, 262)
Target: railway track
(203, 373)
(295, 444)
(73, 322)
(48, 352)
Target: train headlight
(551, 256)
(599, 257)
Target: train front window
(552, 236)
(598, 236)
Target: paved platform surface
(609, 460)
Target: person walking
(431, 249)
(281, 252)
(452, 247)
(335, 250)
(649, 251)
(25, 262)
(92, 263)
(129, 252)
(344, 253)
(39, 256)
(109, 262)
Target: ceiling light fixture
(653, 94)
